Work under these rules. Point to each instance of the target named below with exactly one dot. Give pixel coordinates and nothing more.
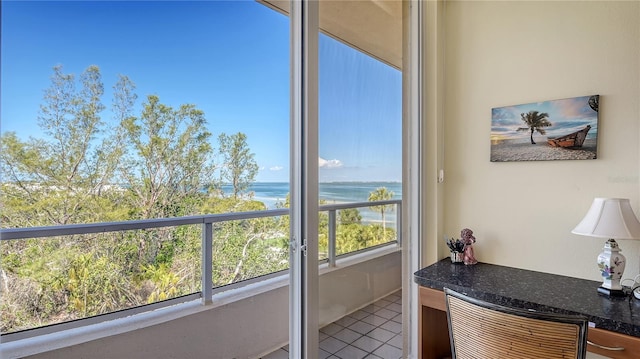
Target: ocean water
(334, 192)
(270, 193)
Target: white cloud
(276, 168)
(322, 163)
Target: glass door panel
(359, 179)
(146, 111)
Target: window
(134, 138)
(111, 116)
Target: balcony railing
(207, 261)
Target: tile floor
(373, 332)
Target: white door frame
(413, 176)
(303, 289)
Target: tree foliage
(381, 194)
(156, 163)
(239, 167)
(167, 159)
(349, 216)
(60, 178)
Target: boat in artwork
(575, 139)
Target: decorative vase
(456, 257)
(611, 263)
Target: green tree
(95, 284)
(59, 179)
(65, 177)
(165, 282)
(167, 162)
(535, 121)
(166, 166)
(157, 164)
(239, 166)
(246, 248)
(349, 216)
(124, 98)
(381, 194)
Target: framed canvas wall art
(565, 129)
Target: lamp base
(611, 264)
(611, 292)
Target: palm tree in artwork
(535, 121)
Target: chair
(483, 330)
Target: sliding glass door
(346, 170)
(359, 179)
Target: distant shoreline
(541, 151)
(272, 193)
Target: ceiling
(371, 26)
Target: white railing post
(331, 240)
(399, 224)
(207, 262)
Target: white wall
(245, 328)
(500, 53)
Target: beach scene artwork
(565, 129)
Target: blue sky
(230, 59)
(566, 116)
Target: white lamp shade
(609, 218)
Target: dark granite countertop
(537, 291)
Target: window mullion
(303, 332)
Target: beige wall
(513, 52)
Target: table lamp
(610, 218)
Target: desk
(615, 322)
